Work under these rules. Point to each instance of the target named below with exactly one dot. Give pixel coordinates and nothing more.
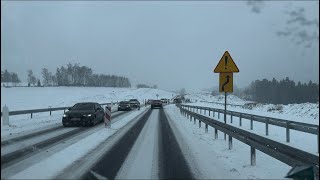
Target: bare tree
(46, 76)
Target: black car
(85, 114)
(134, 103)
(124, 106)
(156, 103)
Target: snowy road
(149, 150)
(19, 152)
(145, 144)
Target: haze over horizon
(172, 45)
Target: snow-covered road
(148, 144)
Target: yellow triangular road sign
(226, 64)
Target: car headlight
(88, 115)
(64, 115)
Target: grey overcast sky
(170, 44)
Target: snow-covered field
(23, 98)
(304, 112)
(216, 160)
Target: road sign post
(226, 67)
(5, 115)
(107, 117)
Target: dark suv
(124, 106)
(85, 114)
(134, 103)
(156, 103)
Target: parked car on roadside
(156, 103)
(85, 114)
(124, 106)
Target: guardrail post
(215, 133)
(206, 130)
(218, 115)
(200, 111)
(5, 115)
(267, 126)
(230, 142)
(288, 131)
(31, 115)
(50, 110)
(231, 117)
(251, 123)
(213, 112)
(240, 119)
(194, 121)
(253, 156)
(318, 137)
(209, 112)
(199, 123)
(204, 112)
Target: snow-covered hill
(23, 98)
(309, 112)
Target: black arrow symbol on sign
(224, 84)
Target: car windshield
(83, 106)
(124, 102)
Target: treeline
(10, 77)
(75, 75)
(71, 75)
(284, 91)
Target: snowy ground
(210, 158)
(214, 160)
(305, 112)
(23, 98)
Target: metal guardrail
(32, 111)
(232, 105)
(282, 152)
(299, 126)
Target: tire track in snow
(172, 164)
(111, 162)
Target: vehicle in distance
(149, 101)
(164, 100)
(134, 103)
(124, 106)
(85, 114)
(177, 101)
(156, 103)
